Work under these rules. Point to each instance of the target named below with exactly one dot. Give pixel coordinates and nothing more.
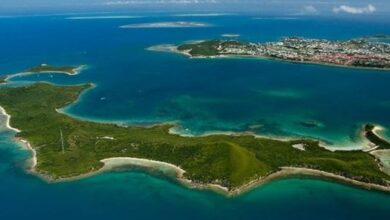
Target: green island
(66, 147)
(360, 53)
(71, 70)
(46, 69)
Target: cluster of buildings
(351, 53)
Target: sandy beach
(176, 131)
(76, 72)
(24, 142)
(377, 129)
(117, 162)
(170, 48)
(112, 163)
(120, 162)
(34, 160)
(286, 172)
(384, 158)
(7, 120)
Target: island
(65, 147)
(70, 70)
(360, 53)
(45, 69)
(174, 24)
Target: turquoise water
(142, 87)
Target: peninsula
(46, 69)
(359, 53)
(379, 142)
(70, 70)
(65, 147)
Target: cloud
(355, 10)
(154, 2)
(310, 9)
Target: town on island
(66, 148)
(359, 53)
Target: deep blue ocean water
(137, 86)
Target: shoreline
(322, 142)
(117, 162)
(287, 172)
(174, 49)
(25, 143)
(170, 48)
(375, 150)
(8, 120)
(76, 70)
(227, 56)
(378, 139)
(113, 163)
(378, 129)
(175, 125)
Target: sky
(293, 7)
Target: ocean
(137, 86)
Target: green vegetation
(229, 160)
(3, 79)
(47, 68)
(207, 48)
(375, 139)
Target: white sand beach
(120, 162)
(8, 119)
(24, 142)
(21, 74)
(116, 162)
(286, 172)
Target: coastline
(25, 143)
(8, 120)
(287, 172)
(371, 146)
(377, 129)
(289, 61)
(174, 49)
(377, 140)
(112, 163)
(383, 156)
(284, 172)
(322, 143)
(34, 159)
(170, 48)
(117, 162)
(76, 70)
